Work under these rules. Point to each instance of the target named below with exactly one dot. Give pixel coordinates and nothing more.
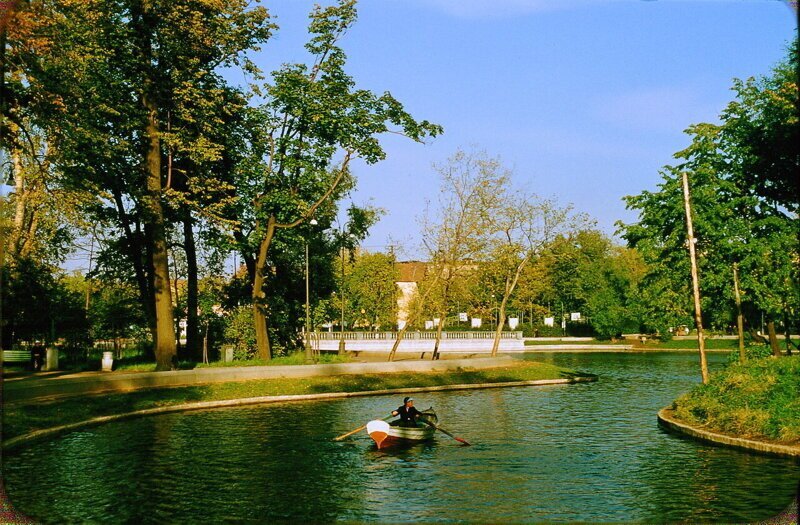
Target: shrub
(759, 398)
(240, 332)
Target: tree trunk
(397, 340)
(442, 315)
(259, 297)
(143, 22)
(177, 301)
(501, 320)
(511, 284)
(135, 251)
(192, 327)
(19, 202)
(773, 338)
(165, 347)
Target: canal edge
(717, 438)
(38, 435)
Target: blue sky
(584, 99)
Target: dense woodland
(123, 139)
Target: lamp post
(341, 295)
(309, 356)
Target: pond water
(587, 452)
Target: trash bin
(108, 361)
(52, 358)
(227, 353)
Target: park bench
(16, 356)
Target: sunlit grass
(757, 399)
(297, 358)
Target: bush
(240, 332)
(750, 353)
(759, 399)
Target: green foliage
(740, 175)
(115, 310)
(371, 291)
(38, 305)
(750, 352)
(239, 332)
(758, 399)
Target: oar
(359, 429)
(437, 427)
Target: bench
(16, 356)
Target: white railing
(410, 335)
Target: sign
(549, 321)
(575, 316)
(428, 325)
(476, 322)
(513, 322)
(462, 316)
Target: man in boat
(408, 413)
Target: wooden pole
(739, 318)
(695, 281)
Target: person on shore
(408, 413)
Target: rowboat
(388, 434)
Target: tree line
(118, 113)
(122, 133)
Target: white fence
(473, 342)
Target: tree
(372, 289)
(740, 211)
(304, 138)
(588, 274)
(456, 236)
(520, 226)
(116, 79)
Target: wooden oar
(359, 429)
(440, 429)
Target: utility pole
(739, 318)
(698, 318)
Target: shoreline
(37, 435)
(667, 421)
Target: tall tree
(742, 213)
(520, 227)
(119, 77)
(456, 235)
(307, 133)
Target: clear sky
(584, 99)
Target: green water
(590, 452)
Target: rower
(408, 413)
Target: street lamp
(341, 292)
(495, 314)
(309, 356)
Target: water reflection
(589, 452)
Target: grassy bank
(23, 418)
(759, 400)
(141, 364)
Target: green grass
(23, 418)
(758, 399)
(137, 364)
(711, 344)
